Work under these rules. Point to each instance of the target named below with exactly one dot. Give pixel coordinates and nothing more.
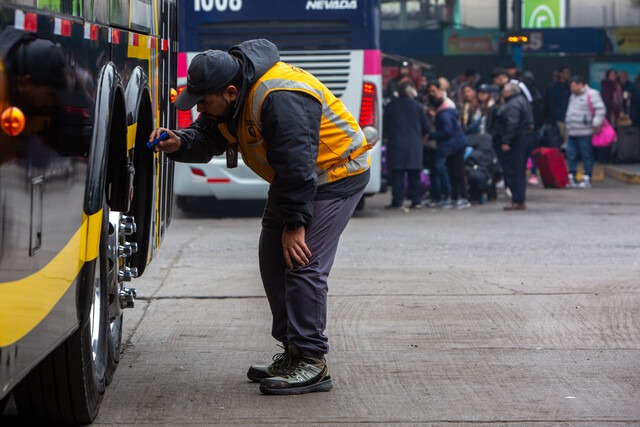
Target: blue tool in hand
(164, 135)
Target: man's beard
(228, 113)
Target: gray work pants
(298, 297)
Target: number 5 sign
(543, 13)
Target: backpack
(550, 136)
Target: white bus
(337, 41)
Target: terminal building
(590, 36)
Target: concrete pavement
(474, 317)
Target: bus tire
(68, 385)
(143, 203)
(114, 335)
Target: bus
(84, 204)
(336, 40)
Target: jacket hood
(447, 104)
(257, 57)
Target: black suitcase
(627, 148)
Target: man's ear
(231, 93)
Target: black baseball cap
(208, 72)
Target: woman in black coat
(405, 125)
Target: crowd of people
(475, 135)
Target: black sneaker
(304, 375)
(281, 362)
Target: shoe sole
(323, 385)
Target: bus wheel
(114, 337)
(68, 385)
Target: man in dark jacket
(557, 99)
(405, 125)
(516, 126)
(277, 114)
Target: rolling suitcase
(627, 148)
(552, 167)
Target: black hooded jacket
(291, 130)
(516, 119)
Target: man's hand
(597, 130)
(169, 145)
(294, 247)
(505, 148)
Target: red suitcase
(552, 167)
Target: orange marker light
(518, 39)
(12, 121)
(173, 94)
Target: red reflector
(368, 105)
(184, 117)
(218, 180)
(31, 22)
(66, 28)
(91, 32)
(197, 171)
(62, 27)
(366, 112)
(368, 88)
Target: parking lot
(435, 317)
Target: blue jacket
(448, 133)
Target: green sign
(543, 13)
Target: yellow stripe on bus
(142, 50)
(132, 130)
(26, 302)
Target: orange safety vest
(342, 149)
